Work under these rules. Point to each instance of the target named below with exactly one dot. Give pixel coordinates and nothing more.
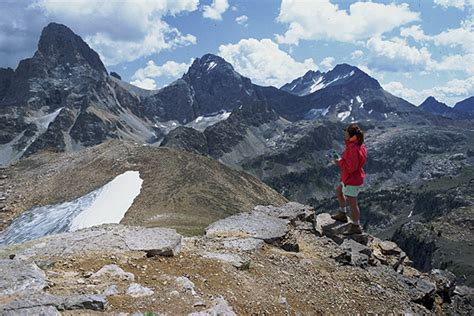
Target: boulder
(389, 247)
(254, 225)
(112, 271)
(137, 290)
(326, 226)
(221, 307)
(291, 211)
(243, 244)
(354, 254)
(37, 310)
(235, 260)
(104, 238)
(41, 299)
(17, 276)
(445, 283)
(186, 284)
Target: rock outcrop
(242, 265)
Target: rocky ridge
(269, 260)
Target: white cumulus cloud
(147, 83)
(462, 36)
(450, 93)
(315, 20)
(396, 55)
(357, 54)
(169, 69)
(264, 62)
(215, 10)
(121, 30)
(242, 20)
(327, 63)
(459, 4)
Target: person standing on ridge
(352, 177)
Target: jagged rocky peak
(345, 73)
(299, 85)
(434, 106)
(342, 74)
(210, 64)
(61, 46)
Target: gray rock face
(91, 302)
(243, 244)
(112, 271)
(445, 283)
(41, 310)
(221, 307)
(255, 225)
(137, 290)
(101, 238)
(354, 253)
(326, 226)
(290, 211)
(389, 247)
(235, 260)
(17, 276)
(419, 242)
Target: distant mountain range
(461, 110)
(63, 99)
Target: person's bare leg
(354, 228)
(355, 211)
(340, 197)
(341, 213)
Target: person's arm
(349, 160)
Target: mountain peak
(345, 67)
(208, 62)
(60, 45)
(342, 74)
(432, 100)
(434, 106)
(465, 106)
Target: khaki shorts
(350, 190)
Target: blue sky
(413, 48)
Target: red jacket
(351, 163)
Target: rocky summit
(271, 259)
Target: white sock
(342, 210)
(357, 222)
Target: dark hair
(353, 129)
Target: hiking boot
(353, 230)
(340, 216)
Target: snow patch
(343, 115)
(360, 102)
(112, 202)
(202, 122)
(317, 85)
(42, 122)
(315, 113)
(211, 66)
(107, 204)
